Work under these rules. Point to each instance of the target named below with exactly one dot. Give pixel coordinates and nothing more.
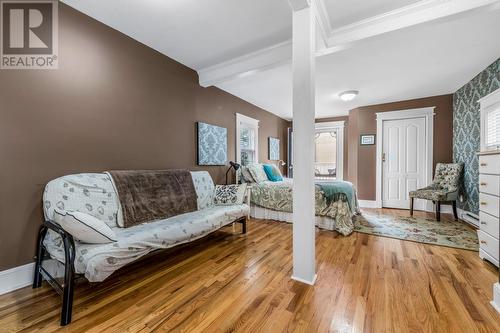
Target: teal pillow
(272, 172)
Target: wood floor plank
(229, 282)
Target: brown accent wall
(112, 104)
(362, 159)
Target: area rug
(419, 229)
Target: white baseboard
(496, 297)
(15, 278)
(368, 204)
(311, 283)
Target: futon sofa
(96, 194)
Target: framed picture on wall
(212, 144)
(367, 139)
(274, 149)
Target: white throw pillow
(246, 176)
(229, 194)
(84, 227)
(258, 173)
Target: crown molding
(407, 16)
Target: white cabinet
(489, 206)
(489, 184)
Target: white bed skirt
(258, 212)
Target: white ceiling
(196, 33)
(427, 59)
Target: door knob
(383, 157)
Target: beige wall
(112, 104)
(362, 159)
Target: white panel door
(403, 151)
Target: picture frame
(212, 144)
(274, 149)
(367, 139)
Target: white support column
(304, 256)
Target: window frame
(488, 104)
(338, 127)
(249, 122)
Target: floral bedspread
(278, 196)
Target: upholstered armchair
(444, 188)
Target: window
(490, 121)
(329, 151)
(247, 140)
(493, 128)
(325, 163)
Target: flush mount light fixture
(349, 95)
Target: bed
(336, 203)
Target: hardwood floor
(232, 282)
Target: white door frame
(337, 126)
(428, 114)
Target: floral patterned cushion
(246, 176)
(204, 186)
(257, 172)
(90, 193)
(229, 194)
(445, 184)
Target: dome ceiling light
(348, 95)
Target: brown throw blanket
(148, 195)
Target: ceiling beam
(248, 64)
(338, 39)
(322, 18)
(299, 4)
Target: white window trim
(428, 113)
(488, 102)
(240, 118)
(338, 126)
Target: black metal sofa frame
(67, 288)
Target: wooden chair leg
(411, 206)
(438, 210)
(454, 204)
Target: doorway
(329, 151)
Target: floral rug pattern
(418, 229)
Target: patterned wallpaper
(466, 131)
